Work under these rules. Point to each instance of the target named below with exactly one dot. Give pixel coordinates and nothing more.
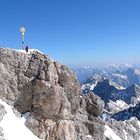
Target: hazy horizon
(105, 65)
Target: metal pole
(23, 45)
(22, 30)
(22, 40)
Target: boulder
(95, 105)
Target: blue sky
(75, 32)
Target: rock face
(94, 104)
(50, 92)
(126, 130)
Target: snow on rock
(93, 85)
(119, 76)
(137, 71)
(117, 106)
(109, 133)
(121, 104)
(125, 134)
(13, 127)
(116, 85)
(29, 51)
(105, 115)
(114, 107)
(126, 130)
(88, 136)
(139, 124)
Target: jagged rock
(70, 84)
(44, 100)
(95, 105)
(50, 92)
(9, 65)
(62, 130)
(2, 112)
(129, 129)
(36, 126)
(96, 128)
(41, 75)
(51, 73)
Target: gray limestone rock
(51, 93)
(129, 129)
(95, 105)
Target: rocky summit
(50, 97)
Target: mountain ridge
(50, 97)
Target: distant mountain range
(112, 82)
(117, 85)
(128, 113)
(123, 75)
(108, 90)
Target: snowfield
(109, 133)
(13, 127)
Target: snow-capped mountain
(119, 87)
(91, 83)
(108, 90)
(117, 67)
(128, 113)
(116, 98)
(123, 75)
(133, 75)
(116, 106)
(83, 73)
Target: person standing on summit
(26, 48)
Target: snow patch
(88, 136)
(117, 106)
(133, 128)
(121, 104)
(125, 134)
(137, 71)
(29, 51)
(119, 76)
(116, 85)
(105, 116)
(93, 86)
(13, 127)
(109, 133)
(138, 123)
